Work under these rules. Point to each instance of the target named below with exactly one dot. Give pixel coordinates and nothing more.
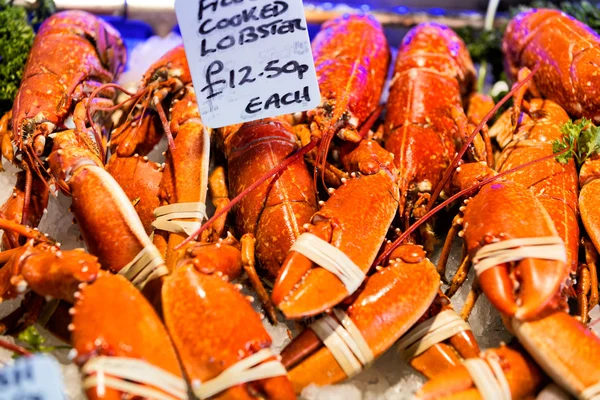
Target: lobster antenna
(31, 233)
(286, 163)
(15, 348)
(463, 192)
(90, 113)
(469, 140)
(165, 122)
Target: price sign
(32, 378)
(249, 59)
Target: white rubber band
(488, 378)
(590, 392)
(545, 248)
(344, 341)
(247, 370)
(553, 392)
(331, 258)
(132, 375)
(145, 267)
(431, 332)
(167, 217)
(336, 345)
(365, 355)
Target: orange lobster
(76, 159)
(566, 51)
(352, 58)
(554, 184)
(425, 121)
(73, 53)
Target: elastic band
(167, 217)
(131, 375)
(591, 392)
(344, 341)
(488, 378)
(431, 332)
(545, 248)
(331, 258)
(247, 370)
(145, 267)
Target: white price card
(249, 59)
(32, 378)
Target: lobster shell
(433, 73)
(567, 51)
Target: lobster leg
(447, 247)
(470, 301)
(479, 106)
(587, 281)
(460, 276)
(21, 211)
(6, 148)
(219, 194)
(248, 261)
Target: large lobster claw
(511, 371)
(502, 211)
(392, 300)
(103, 325)
(214, 327)
(305, 289)
(565, 349)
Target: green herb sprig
(581, 140)
(16, 39)
(35, 342)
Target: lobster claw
(522, 287)
(102, 326)
(565, 349)
(392, 300)
(48, 271)
(304, 288)
(214, 327)
(511, 371)
(439, 341)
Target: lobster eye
(27, 127)
(160, 74)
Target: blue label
(32, 378)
